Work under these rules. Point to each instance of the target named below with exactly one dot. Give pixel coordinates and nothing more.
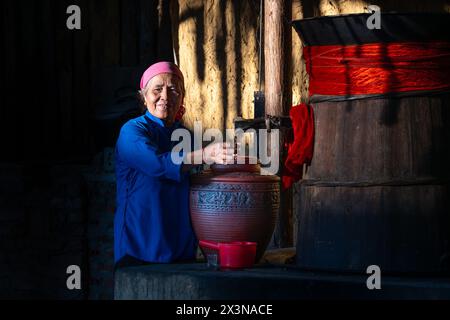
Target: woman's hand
(218, 152)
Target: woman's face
(163, 97)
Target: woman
(152, 222)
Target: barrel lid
(352, 29)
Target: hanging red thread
(378, 68)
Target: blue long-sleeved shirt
(152, 221)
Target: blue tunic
(152, 221)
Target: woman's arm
(219, 152)
(141, 153)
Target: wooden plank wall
(54, 79)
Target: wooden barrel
(377, 191)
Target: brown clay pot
(235, 203)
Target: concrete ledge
(198, 282)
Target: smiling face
(163, 97)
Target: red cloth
(378, 68)
(300, 150)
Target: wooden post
(277, 52)
(278, 94)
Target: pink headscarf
(158, 68)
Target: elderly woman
(152, 222)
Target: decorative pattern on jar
(235, 203)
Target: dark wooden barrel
(377, 191)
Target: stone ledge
(197, 282)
